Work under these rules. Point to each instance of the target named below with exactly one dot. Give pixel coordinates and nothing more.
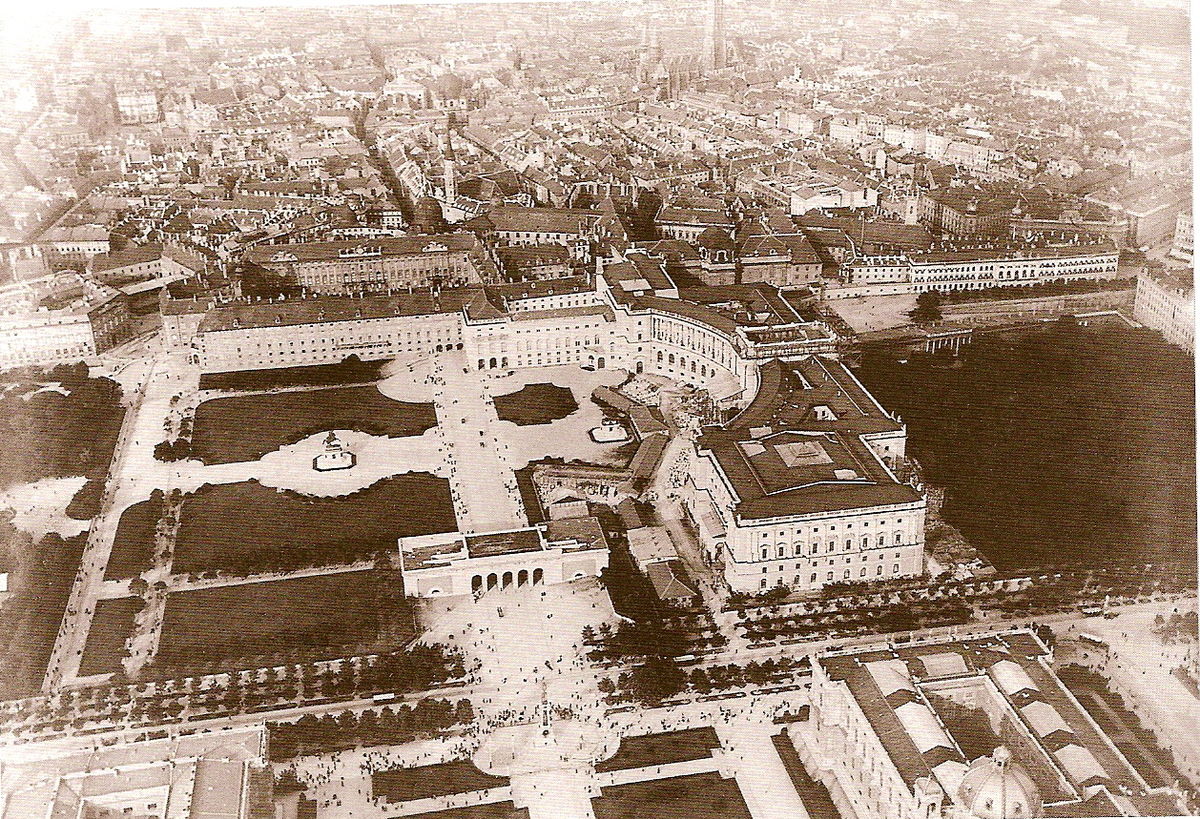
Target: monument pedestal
(336, 456)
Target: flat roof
(798, 448)
(492, 544)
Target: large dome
(449, 86)
(995, 787)
(428, 213)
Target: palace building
(879, 275)
(1166, 302)
(805, 486)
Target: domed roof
(995, 787)
(449, 85)
(427, 211)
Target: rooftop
(352, 249)
(798, 448)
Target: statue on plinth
(337, 455)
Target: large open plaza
(252, 503)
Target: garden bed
(245, 527)
(662, 749)
(111, 625)
(703, 796)
(315, 615)
(350, 371)
(133, 546)
(444, 779)
(536, 404)
(494, 810)
(247, 427)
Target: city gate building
(556, 551)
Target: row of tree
(391, 726)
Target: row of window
(781, 551)
(846, 575)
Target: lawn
(31, 615)
(705, 796)
(661, 749)
(319, 616)
(246, 427)
(246, 527)
(111, 624)
(536, 404)
(350, 371)
(45, 433)
(133, 546)
(460, 776)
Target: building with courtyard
(970, 728)
(378, 265)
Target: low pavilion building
(556, 551)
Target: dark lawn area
(460, 776)
(813, 794)
(86, 503)
(350, 371)
(133, 546)
(1066, 446)
(246, 427)
(536, 404)
(704, 796)
(496, 810)
(31, 615)
(246, 527)
(45, 434)
(111, 624)
(323, 614)
(529, 494)
(660, 749)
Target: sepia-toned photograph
(597, 409)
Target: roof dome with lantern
(995, 787)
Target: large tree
(928, 309)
